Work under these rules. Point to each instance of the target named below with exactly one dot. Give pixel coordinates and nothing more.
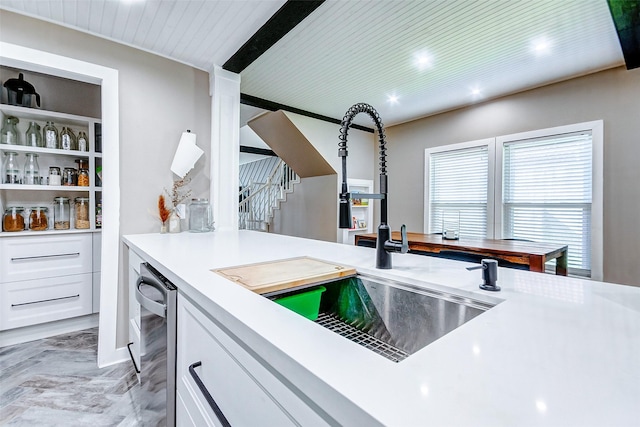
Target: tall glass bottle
(68, 139)
(31, 174)
(83, 141)
(50, 136)
(33, 137)
(10, 132)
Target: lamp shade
(186, 155)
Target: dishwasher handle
(151, 305)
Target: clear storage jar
(69, 177)
(61, 213)
(39, 219)
(13, 219)
(82, 213)
(33, 136)
(9, 133)
(10, 168)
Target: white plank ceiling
(350, 51)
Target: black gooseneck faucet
(384, 244)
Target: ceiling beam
(626, 17)
(265, 104)
(256, 150)
(283, 21)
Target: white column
(225, 147)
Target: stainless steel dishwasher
(157, 298)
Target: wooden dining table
(531, 254)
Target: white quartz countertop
(554, 351)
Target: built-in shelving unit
(361, 210)
(28, 196)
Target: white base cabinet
(45, 278)
(246, 392)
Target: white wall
(159, 99)
(612, 95)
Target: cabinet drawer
(34, 257)
(230, 385)
(229, 371)
(30, 302)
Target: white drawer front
(26, 258)
(32, 302)
(231, 386)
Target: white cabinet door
(31, 302)
(243, 399)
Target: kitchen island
(552, 351)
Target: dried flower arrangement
(178, 193)
(162, 209)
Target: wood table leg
(536, 263)
(561, 264)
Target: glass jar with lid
(69, 177)
(82, 213)
(33, 136)
(13, 219)
(200, 216)
(83, 178)
(55, 177)
(61, 213)
(31, 174)
(10, 168)
(9, 131)
(50, 136)
(38, 218)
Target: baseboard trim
(46, 330)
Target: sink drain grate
(372, 343)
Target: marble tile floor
(56, 382)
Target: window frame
(495, 208)
(490, 144)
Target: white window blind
(547, 193)
(458, 181)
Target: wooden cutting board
(284, 274)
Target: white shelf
(44, 115)
(40, 150)
(47, 232)
(57, 188)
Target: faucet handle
(405, 242)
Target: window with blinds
(547, 193)
(458, 181)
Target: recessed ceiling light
(541, 46)
(392, 99)
(423, 60)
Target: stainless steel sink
(394, 319)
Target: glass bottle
(10, 168)
(61, 213)
(68, 139)
(38, 220)
(83, 141)
(31, 170)
(33, 137)
(50, 136)
(82, 213)
(55, 178)
(13, 219)
(10, 133)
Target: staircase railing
(258, 199)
